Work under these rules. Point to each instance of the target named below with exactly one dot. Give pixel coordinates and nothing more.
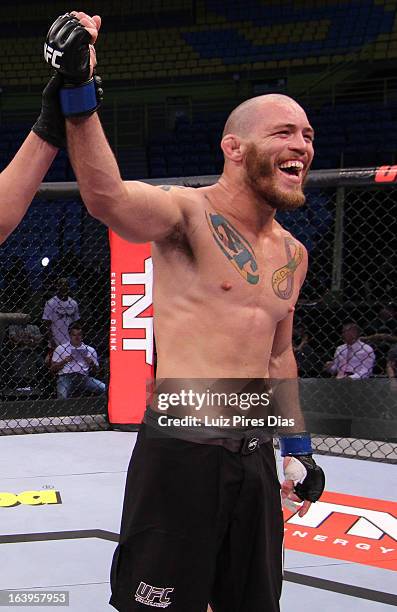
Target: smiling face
(276, 141)
(279, 155)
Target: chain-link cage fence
(54, 326)
(54, 321)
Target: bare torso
(220, 291)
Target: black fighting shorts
(201, 524)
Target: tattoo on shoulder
(169, 187)
(283, 278)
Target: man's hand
(69, 43)
(289, 499)
(304, 480)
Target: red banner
(131, 329)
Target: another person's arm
(20, 180)
(59, 361)
(365, 367)
(47, 322)
(91, 359)
(332, 367)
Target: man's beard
(260, 178)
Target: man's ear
(232, 148)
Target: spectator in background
(354, 359)
(391, 367)
(383, 334)
(74, 362)
(386, 321)
(59, 312)
(391, 371)
(25, 335)
(24, 362)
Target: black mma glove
(67, 49)
(308, 477)
(50, 125)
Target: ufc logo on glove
(50, 55)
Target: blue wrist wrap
(299, 444)
(79, 100)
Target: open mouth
(292, 169)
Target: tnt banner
(356, 529)
(131, 329)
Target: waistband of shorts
(243, 441)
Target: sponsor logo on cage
(137, 302)
(386, 174)
(355, 529)
(156, 597)
(50, 55)
(29, 498)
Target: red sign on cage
(131, 329)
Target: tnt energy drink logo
(29, 498)
(346, 527)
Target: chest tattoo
(234, 246)
(283, 278)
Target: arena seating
(217, 38)
(347, 134)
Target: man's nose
(299, 143)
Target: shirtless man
(20, 180)
(202, 520)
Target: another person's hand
(90, 361)
(50, 125)
(92, 25)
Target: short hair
(76, 326)
(243, 118)
(354, 325)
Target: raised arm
(136, 211)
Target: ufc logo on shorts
(153, 596)
(50, 55)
